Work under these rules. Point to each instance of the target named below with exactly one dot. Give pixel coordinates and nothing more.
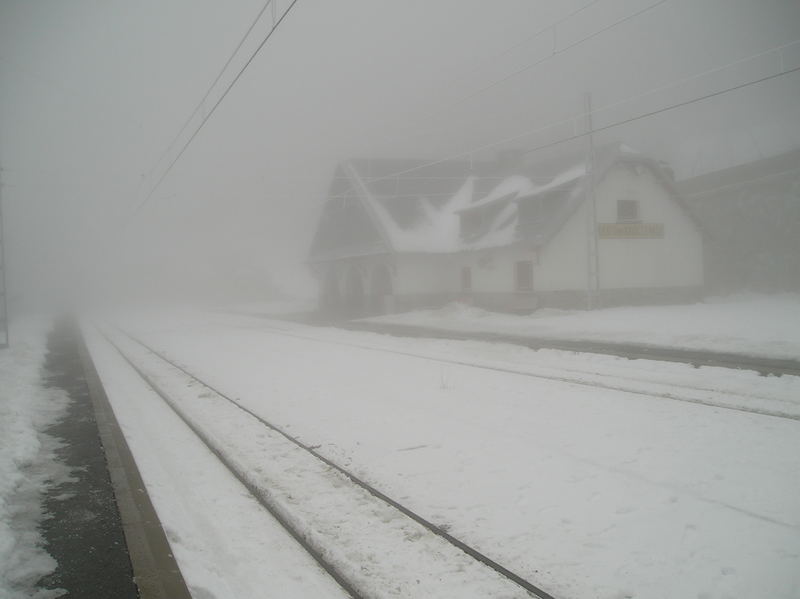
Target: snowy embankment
(377, 549)
(27, 463)
(748, 324)
(224, 542)
(276, 308)
(586, 491)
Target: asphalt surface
(84, 532)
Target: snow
(749, 324)
(277, 308)
(26, 461)
(439, 229)
(503, 230)
(515, 185)
(625, 490)
(576, 172)
(439, 232)
(352, 529)
(225, 544)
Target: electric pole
(593, 261)
(4, 338)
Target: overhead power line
(213, 84)
(554, 53)
(619, 123)
(665, 109)
(275, 26)
(551, 27)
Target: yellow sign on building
(630, 230)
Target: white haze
(91, 94)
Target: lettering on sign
(630, 230)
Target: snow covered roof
(451, 206)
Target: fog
(422, 298)
(92, 96)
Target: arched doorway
(354, 292)
(380, 289)
(331, 296)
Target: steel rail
(257, 494)
(631, 351)
(563, 379)
(528, 586)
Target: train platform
(102, 530)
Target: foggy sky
(91, 93)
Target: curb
(155, 570)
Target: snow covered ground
(354, 530)
(27, 464)
(629, 489)
(275, 308)
(225, 544)
(750, 324)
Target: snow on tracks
(372, 548)
(669, 381)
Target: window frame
(629, 202)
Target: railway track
(455, 559)
(628, 350)
(631, 351)
(700, 395)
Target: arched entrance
(380, 289)
(354, 299)
(331, 296)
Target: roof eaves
(367, 200)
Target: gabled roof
(570, 188)
(410, 206)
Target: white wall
(493, 271)
(562, 262)
(676, 260)
(420, 274)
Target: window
(466, 279)
(627, 211)
(524, 275)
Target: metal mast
(4, 336)
(592, 265)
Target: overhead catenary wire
(529, 38)
(665, 109)
(550, 56)
(549, 27)
(213, 84)
(200, 104)
(472, 151)
(272, 30)
(556, 52)
(553, 54)
(573, 119)
(673, 84)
